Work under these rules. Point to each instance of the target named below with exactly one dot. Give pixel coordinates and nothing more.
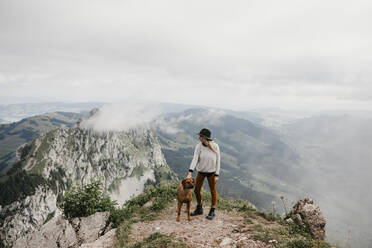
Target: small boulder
(226, 242)
(105, 241)
(308, 213)
(91, 227)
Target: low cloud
(122, 116)
(170, 125)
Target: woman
(206, 161)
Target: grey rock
(289, 220)
(226, 242)
(35, 240)
(91, 227)
(106, 241)
(58, 232)
(299, 219)
(310, 214)
(148, 204)
(28, 215)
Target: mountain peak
(126, 161)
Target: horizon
(258, 109)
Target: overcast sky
(297, 54)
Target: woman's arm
(194, 160)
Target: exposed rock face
(308, 213)
(125, 161)
(60, 233)
(26, 215)
(90, 228)
(105, 241)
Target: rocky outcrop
(90, 228)
(105, 241)
(125, 161)
(308, 214)
(60, 233)
(26, 215)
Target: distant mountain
(16, 112)
(167, 108)
(17, 133)
(255, 163)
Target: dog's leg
(179, 211)
(188, 210)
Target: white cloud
(170, 124)
(122, 116)
(218, 53)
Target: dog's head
(188, 183)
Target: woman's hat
(205, 133)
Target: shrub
(82, 201)
(134, 210)
(300, 243)
(19, 186)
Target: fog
(122, 116)
(171, 124)
(335, 150)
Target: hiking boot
(198, 211)
(211, 214)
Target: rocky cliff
(50, 164)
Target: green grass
(264, 227)
(50, 216)
(159, 240)
(134, 210)
(285, 237)
(248, 220)
(41, 152)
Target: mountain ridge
(14, 134)
(66, 156)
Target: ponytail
(211, 146)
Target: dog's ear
(184, 183)
(193, 180)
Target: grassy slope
(261, 226)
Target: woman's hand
(215, 179)
(189, 175)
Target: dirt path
(225, 230)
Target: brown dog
(184, 193)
